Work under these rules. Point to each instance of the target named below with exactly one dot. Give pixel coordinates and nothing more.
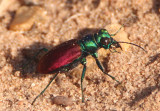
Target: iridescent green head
(104, 40)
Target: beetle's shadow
(86, 31)
(156, 6)
(25, 61)
(145, 92)
(153, 58)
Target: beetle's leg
(83, 74)
(43, 49)
(117, 31)
(45, 88)
(101, 67)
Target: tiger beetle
(69, 54)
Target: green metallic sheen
(91, 43)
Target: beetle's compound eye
(105, 41)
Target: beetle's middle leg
(102, 69)
(83, 74)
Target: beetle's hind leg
(83, 74)
(45, 88)
(102, 69)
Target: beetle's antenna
(134, 45)
(45, 88)
(117, 31)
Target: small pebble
(26, 16)
(61, 100)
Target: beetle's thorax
(88, 44)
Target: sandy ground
(138, 71)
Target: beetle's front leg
(101, 67)
(83, 74)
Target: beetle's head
(106, 41)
